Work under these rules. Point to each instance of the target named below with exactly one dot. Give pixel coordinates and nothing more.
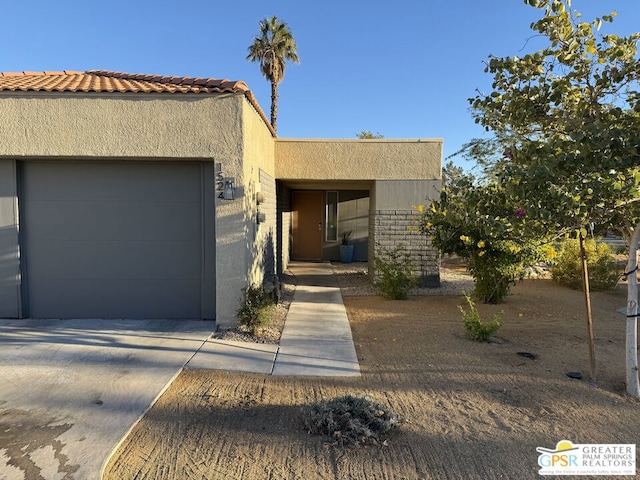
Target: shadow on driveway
(71, 389)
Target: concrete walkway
(316, 340)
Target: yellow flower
(444, 213)
(481, 244)
(428, 225)
(464, 238)
(481, 253)
(549, 251)
(433, 208)
(420, 208)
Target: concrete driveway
(71, 389)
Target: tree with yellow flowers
(478, 221)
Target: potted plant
(346, 249)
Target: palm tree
(272, 48)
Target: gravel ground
(354, 280)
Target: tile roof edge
(231, 86)
(234, 86)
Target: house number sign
(225, 186)
(219, 181)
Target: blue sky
(404, 69)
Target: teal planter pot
(346, 253)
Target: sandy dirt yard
(469, 410)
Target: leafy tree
(272, 48)
(368, 135)
(478, 221)
(568, 119)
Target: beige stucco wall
(259, 156)
(176, 126)
(241, 240)
(380, 159)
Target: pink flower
(520, 213)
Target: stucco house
(145, 196)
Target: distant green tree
(368, 135)
(272, 47)
(451, 174)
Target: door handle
(320, 226)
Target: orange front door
(307, 225)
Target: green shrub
(394, 273)
(479, 330)
(603, 272)
(494, 274)
(256, 309)
(350, 420)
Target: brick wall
(391, 228)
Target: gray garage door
(111, 240)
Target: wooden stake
(587, 298)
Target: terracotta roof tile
(101, 81)
(97, 81)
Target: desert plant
(350, 420)
(256, 309)
(346, 237)
(479, 330)
(601, 265)
(394, 273)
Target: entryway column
(393, 210)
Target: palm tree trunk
(274, 104)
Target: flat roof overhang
(295, 184)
